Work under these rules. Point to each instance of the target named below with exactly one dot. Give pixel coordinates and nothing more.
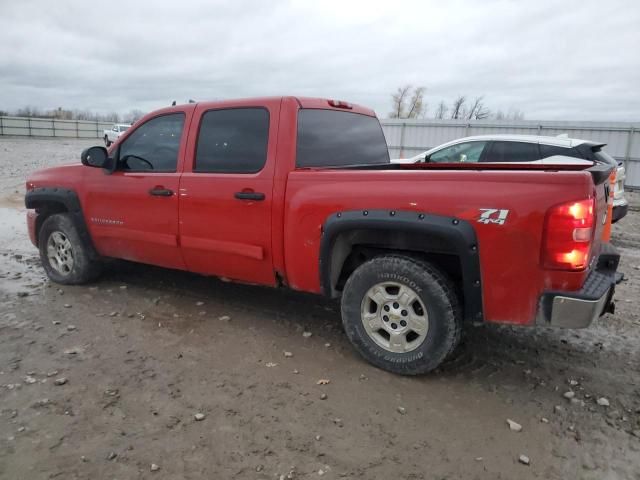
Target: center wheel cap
(394, 317)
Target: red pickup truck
(299, 192)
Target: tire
(427, 314)
(65, 257)
(106, 141)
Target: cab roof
(304, 102)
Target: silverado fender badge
(493, 215)
(106, 221)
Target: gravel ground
(106, 380)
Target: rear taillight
(568, 234)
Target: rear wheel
(106, 141)
(65, 257)
(401, 314)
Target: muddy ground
(144, 350)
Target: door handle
(160, 192)
(249, 196)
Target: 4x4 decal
(493, 215)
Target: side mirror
(96, 157)
(426, 159)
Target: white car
(112, 134)
(527, 148)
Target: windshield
(124, 128)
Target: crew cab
(113, 133)
(529, 148)
(300, 192)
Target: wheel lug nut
(394, 326)
(386, 308)
(404, 313)
(385, 318)
(395, 305)
(403, 323)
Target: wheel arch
(48, 201)
(352, 237)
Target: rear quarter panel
(512, 276)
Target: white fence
(50, 127)
(410, 137)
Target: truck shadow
(503, 354)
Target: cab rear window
(328, 138)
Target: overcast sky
(550, 59)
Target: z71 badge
(493, 215)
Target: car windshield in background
(328, 138)
(124, 129)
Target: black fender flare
(41, 197)
(445, 235)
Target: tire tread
(446, 294)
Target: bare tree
(441, 111)
(515, 114)
(111, 117)
(470, 113)
(84, 115)
(398, 100)
(457, 108)
(133, 116)
(478, 110)
(417, 107)
(28, 111)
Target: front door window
(460, 152)
(153, 147)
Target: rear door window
(512, 152)
(328, 138)
(233, 140)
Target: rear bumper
(619, 211)
(580, 308)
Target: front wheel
(65, 257)
(106, 141)
(401, 314)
